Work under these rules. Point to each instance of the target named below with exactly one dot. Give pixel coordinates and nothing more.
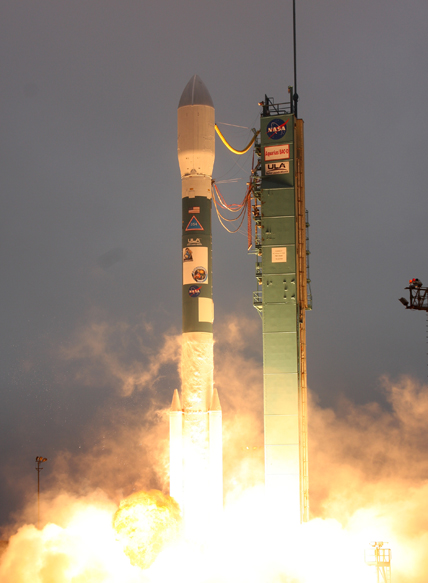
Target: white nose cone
(196, 136)
(195, 93)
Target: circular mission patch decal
(200, 274)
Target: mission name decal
(277, 152)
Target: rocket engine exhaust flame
(145, 523)
(369, 483)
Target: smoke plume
(367, 468)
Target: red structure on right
(418, 296)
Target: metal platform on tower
(380, 557)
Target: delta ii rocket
(196, 467)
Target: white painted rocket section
(196, 144)
(196, 454)
(196, 389)
(196, 135)
(216, 456)
(176, 449)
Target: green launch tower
(282, 299)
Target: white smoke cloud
(126, 356)
(367, 466)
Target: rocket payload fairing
(196, 472)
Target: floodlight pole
(418, 296)
(39, 460)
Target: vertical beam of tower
(200, 447)
(303, 305)
(281, 270)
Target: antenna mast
(295, 95)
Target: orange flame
(145, 523)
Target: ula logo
(194, 241)
(277, 168)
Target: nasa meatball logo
(200, 274)
(277, 128)
(194, 291)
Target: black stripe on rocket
(196, 260)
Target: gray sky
(91, 195)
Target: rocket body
(199, 444)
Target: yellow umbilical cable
(239, 152)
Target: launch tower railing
(272, 108)
(380, 558)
